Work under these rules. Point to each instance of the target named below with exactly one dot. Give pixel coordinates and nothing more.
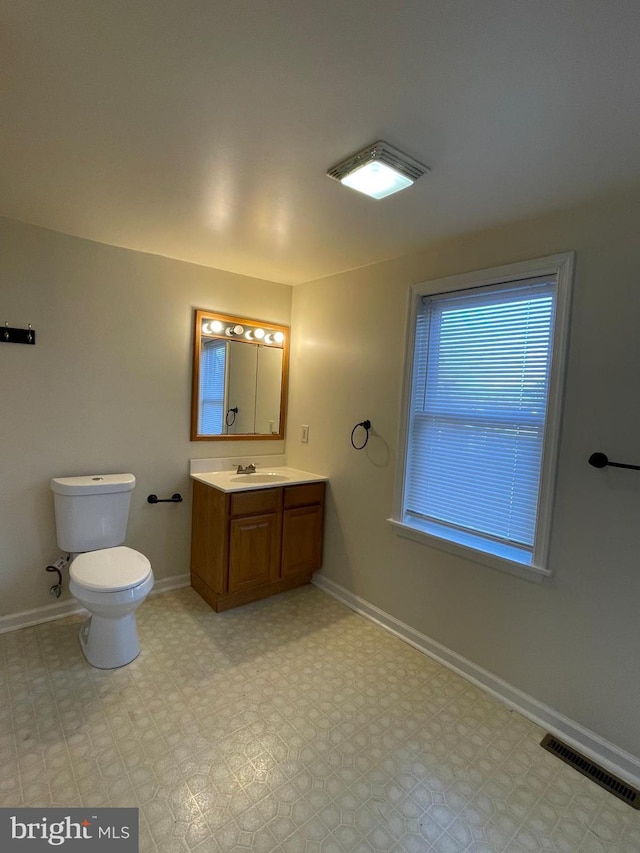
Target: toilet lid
(110, 569)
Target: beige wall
(571, 642)
(105, 389)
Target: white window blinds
(477, 419)
(212, 373)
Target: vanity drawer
(258, 500)
(308, 493)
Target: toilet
(107, 578)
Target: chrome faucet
(248, 469)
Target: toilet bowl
(107, 578)
(111, 584)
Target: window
(482, 411)
(211, 391)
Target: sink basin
(262, 477)
(269, 475)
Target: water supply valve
(57, 567)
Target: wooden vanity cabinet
(302, 529)
(251, 544)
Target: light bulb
(376, 179)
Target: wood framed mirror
(239, 379)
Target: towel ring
(366, 425)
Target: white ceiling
(202, 129)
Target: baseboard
(70, 607)
(616, 760)
(175, 582)
(27, 618)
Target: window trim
(561, 266)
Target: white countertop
(270, 477)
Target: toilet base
(110, 643)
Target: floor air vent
(592, 771)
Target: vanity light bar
(243, 331)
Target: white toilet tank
(92, 511)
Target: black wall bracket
(10, 335)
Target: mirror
(240, 370)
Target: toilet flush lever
(174, 499)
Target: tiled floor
(290, 725)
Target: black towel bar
(601, 460)
(174, 499)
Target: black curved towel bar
(601, 460)
(174, 499)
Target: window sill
(511, 567)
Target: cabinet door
(254, 548)
(302, 540)
(209, 546)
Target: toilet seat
(110, 569)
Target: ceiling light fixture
(378, 170)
